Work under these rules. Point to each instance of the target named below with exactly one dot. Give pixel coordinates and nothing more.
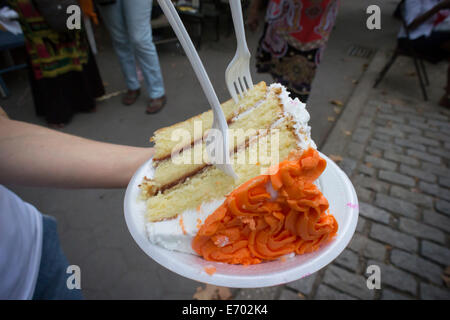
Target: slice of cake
(187, 197)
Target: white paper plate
(334, 184)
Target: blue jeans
(128, 23)
(51, 283)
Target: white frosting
(249, 110)
(177, 233)
(300, 116)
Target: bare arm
(427, 15)
(36, 156)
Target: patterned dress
(63, 75)
(294, 38)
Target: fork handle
(172, 15)
(177, 25)
(238, 22)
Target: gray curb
(337, 139)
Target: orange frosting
(210, 270)
(182, 226)
(252, 225)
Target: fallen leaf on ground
(368, 164)
(331, 119)
(347, 132)
(110, 95)
(335, 158)
(338, 103)
(224, 293)
(337, 110)
(301, 295)
(355, 81)
(211, 292)
(376, 154)
(396, 101)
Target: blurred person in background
(294, 37)
(428, 24)
(32, 262)
(63, 72)
(129, 25)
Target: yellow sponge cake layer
(173, 170)
(181, 179)
(162, 138)
(211, 183)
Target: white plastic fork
(217, 144)
(237, 75)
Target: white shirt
(411, 10)
(20, 246)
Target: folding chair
(409, 51)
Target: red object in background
(306, 20)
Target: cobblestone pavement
(398, 160)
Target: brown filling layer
(205, 166)
(199, 170)
(229, 121)
(182, 178)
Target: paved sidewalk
(396, 150)
(91, 225)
